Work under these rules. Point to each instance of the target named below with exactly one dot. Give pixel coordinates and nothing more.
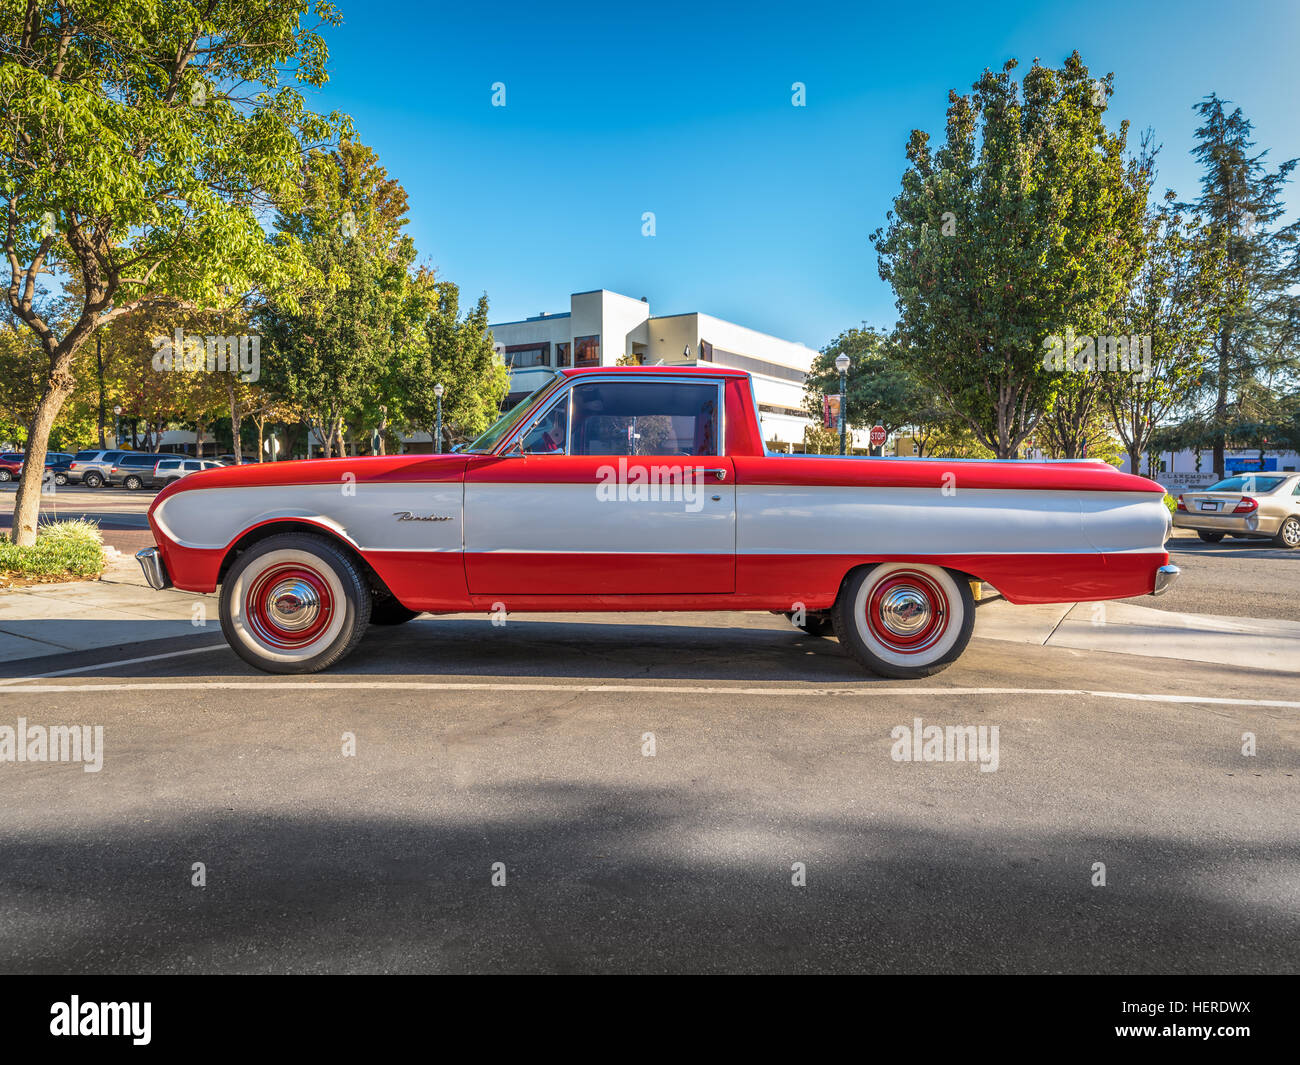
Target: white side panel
(213, 517)
(575, 517)
(798, 520)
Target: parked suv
(133, 470)
(172, 469)
(91, 467)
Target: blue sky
(763, 210)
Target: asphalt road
(524, 745)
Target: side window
(168, 464)
(548, 435)
(191, 465)
(645, 418)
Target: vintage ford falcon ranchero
(649, 488)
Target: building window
(522, 356)
(586, 351)
(706, 351)
(562, 354)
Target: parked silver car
(173, 468)
(1249, 505)
(91, 467)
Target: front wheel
(905, 619)
(5, 475)
(1209, 537)
(60, 479)
(294, 603)
(1288, 534)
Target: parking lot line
(644, 689)
(105, 665)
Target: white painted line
(113, 665)
(867, 691)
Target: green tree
(326, 350)
(1241, 201)
(138, 145)
(1026, 222)
(879, 389)
(458, 354)
(1176, 300)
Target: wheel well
(275, 528)
(957, 573)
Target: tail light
(72, 465)
(1246, 506)
(112, 469)
(1181, 505)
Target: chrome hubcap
(1291, 533)
(905, 611)
(293, 605)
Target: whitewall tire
(904, 619)
(294, 603)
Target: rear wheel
(1209, 537)
(133, 483)
(904, 619)
(92, 479)
(5, 475)
(1288, 534)
(294, 603)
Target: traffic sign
(878, 436)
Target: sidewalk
(118, 609)
(1124, 628)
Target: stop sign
(878, 435)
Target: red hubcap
(907, 611)
(289, 606)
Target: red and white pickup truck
(649, 488)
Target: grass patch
(64, 550)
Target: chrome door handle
(719, 472)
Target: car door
(617, 488)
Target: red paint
(597, 574)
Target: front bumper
(1165, 578)
(155, 572)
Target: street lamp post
(117, 427)
(437, 391)
(842, 364)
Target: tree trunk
(27, 505)
(198, 439)
(1221, 406)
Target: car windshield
(511, 418)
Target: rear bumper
(155, 572)
(1165, 578)
(1255, 524)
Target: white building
(602, 327)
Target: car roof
(637, 371)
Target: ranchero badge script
(406, 515)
